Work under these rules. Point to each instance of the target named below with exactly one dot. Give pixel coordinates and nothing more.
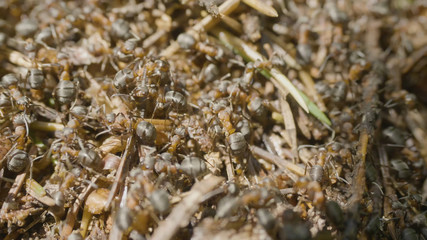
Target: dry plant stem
(120, 171)
(183, 211)
(290, 127)
(390, 195)
(46, 126)
(16, 187)
(368, 125)
(159, 124)
(282, 163)
(19, 59)
(261, 7)
(209, 21)
(170, 51)
(153, 38)
(204, 25)
(72, 212)
(233, 24)
(359, 181)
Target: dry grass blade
(311, 91)
(120, 171)
(282, 163)
(152, 39)
(232, 23)
(46, 126)
(182, 212)
(291, 130)
(262, 7)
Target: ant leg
(111, 60)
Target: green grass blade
(250, 55)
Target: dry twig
(390, 195)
